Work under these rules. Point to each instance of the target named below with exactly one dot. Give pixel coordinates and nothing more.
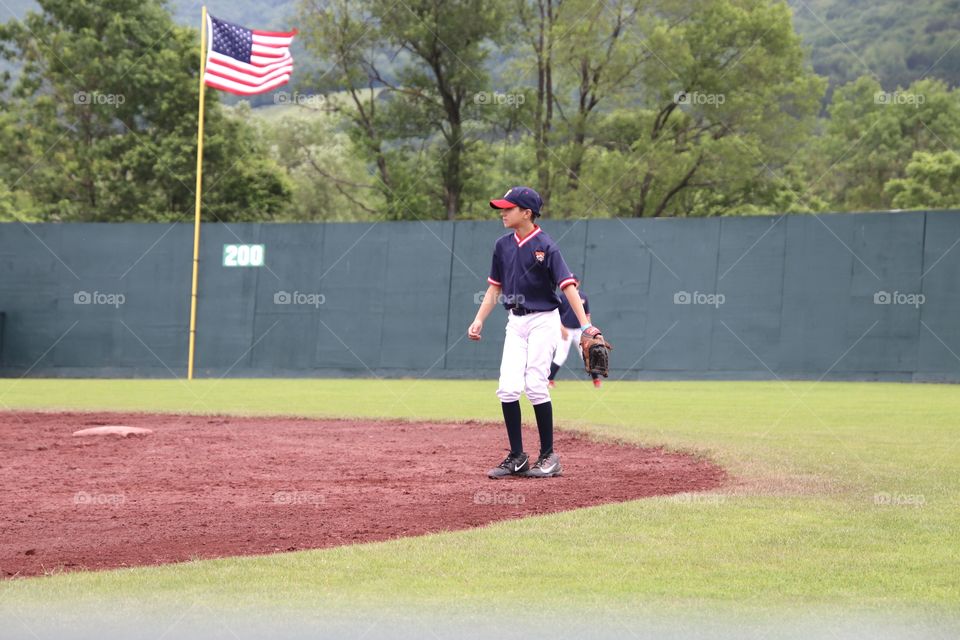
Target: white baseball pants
(563, 347)
(528, 349)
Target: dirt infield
(206, 487)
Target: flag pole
(196, 215)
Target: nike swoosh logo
(550, 470)
(515, 469)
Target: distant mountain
(266, 14)
(896, 41)
(274, 15)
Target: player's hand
(564, 333)
(473, 332)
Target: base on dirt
(113, 430)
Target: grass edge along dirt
(850, 538)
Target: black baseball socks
(544, 413)
(511, 417)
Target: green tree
(872, 135)
(348, 37)
(15, 204)
(446, 44)
(541, 23)
(415, 119)
(707, 120)
(313, 145)
(105, 110)
(600, 58)
(932, 182)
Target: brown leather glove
(596, 352)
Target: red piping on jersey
(567, 282)
(494, 282)
(520, 243)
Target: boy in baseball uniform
(527, 270)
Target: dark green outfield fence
(849, 296)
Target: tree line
(426, 109)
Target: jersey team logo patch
(539, 255)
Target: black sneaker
(513, 465)
(547, 466)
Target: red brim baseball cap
(523, 197)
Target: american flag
(246, 61)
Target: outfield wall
(394, 299)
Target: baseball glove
(596, 356)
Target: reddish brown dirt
(206, 487)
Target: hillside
(898, 42)
(262, 14)
(895, 41)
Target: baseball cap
(523, 197)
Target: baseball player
(570, 336)
(527, 269)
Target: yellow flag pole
(196, 216)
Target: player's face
(513, 217)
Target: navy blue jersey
(567, 317)
(529, 271)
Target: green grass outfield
(801, 527)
